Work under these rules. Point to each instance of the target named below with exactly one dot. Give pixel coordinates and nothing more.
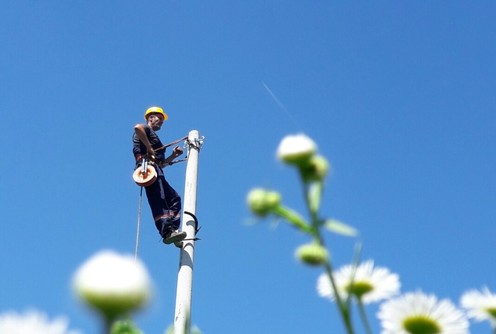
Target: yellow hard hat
(156, 110)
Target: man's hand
(177, 151)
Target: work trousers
(165, 204)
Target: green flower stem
(313, 194)
(343, 306)
(363, 316)
(107, 324)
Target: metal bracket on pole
(182, 318)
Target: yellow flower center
(421, 324)
(491, 311)
(359, 288)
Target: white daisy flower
(480, 305)
(365, 282)
(113, 283)
(418, 313)
(32, 322)
(295, 149)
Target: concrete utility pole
(182, 318)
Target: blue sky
(398, 95)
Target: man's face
(155, 121)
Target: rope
(139, 223)
(171, 143)
(197, 144)
(176, 161)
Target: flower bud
(262, 202)
(296, 149)
(112, 283)
(316, 168)
(312, 254)
(125, 326)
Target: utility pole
(182, 318)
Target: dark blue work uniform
(164, 201)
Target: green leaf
(338, 227)
(314, 196)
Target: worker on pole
(164, 201)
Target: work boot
(174, 236)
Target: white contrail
(279, 103)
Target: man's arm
(177, 151)
(140, 131)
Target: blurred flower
(262, 202)
(112, 283)
(365, 282)
(315, 169)
(312, 254)
(125, 326)
(480, 305)
(32, 322)
(296, 149)
(418, 313)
